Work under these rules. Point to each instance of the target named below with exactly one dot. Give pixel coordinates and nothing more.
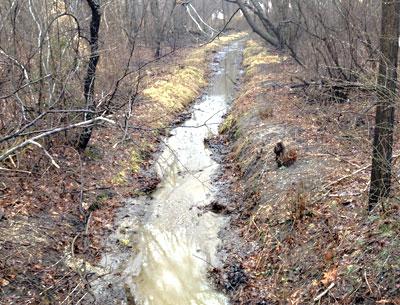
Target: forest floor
(53, 221)
(301, 234)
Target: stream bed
(170, 241)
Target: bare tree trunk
(265, 31)
(90, 77)
(155, 11)
(162, 14)
(381, 173)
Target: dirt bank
(301, 234)
(53, 221)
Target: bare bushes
(335, 42)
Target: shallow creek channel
(169, 242)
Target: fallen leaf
(4, 282)
(329, 276)
(328, 255)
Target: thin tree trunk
(90, 77)
(155, 11)
(262, 32)
(381, 173)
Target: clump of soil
(218, 207)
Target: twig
(73, 245)
(88, 223)
(207, 262)
(348, 176)
(46, 153)
(58, 281)
(319, 297)
(80, 300)
(71, 292)
(366, 279)
(223, 29)
(50, 132)
(14, 170)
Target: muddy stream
(164, 243)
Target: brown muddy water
(164, 244)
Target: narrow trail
(173, 242)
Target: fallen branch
(347, 176)
(223, 29)
(355, 173)
(201, 19)
(194, 20)
(328, 186)
(50, 132)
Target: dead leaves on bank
(314, 240)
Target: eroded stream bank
(164, 245)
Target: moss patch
(179, 89)
(135, 161)
(227, 124)
(120, 178)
